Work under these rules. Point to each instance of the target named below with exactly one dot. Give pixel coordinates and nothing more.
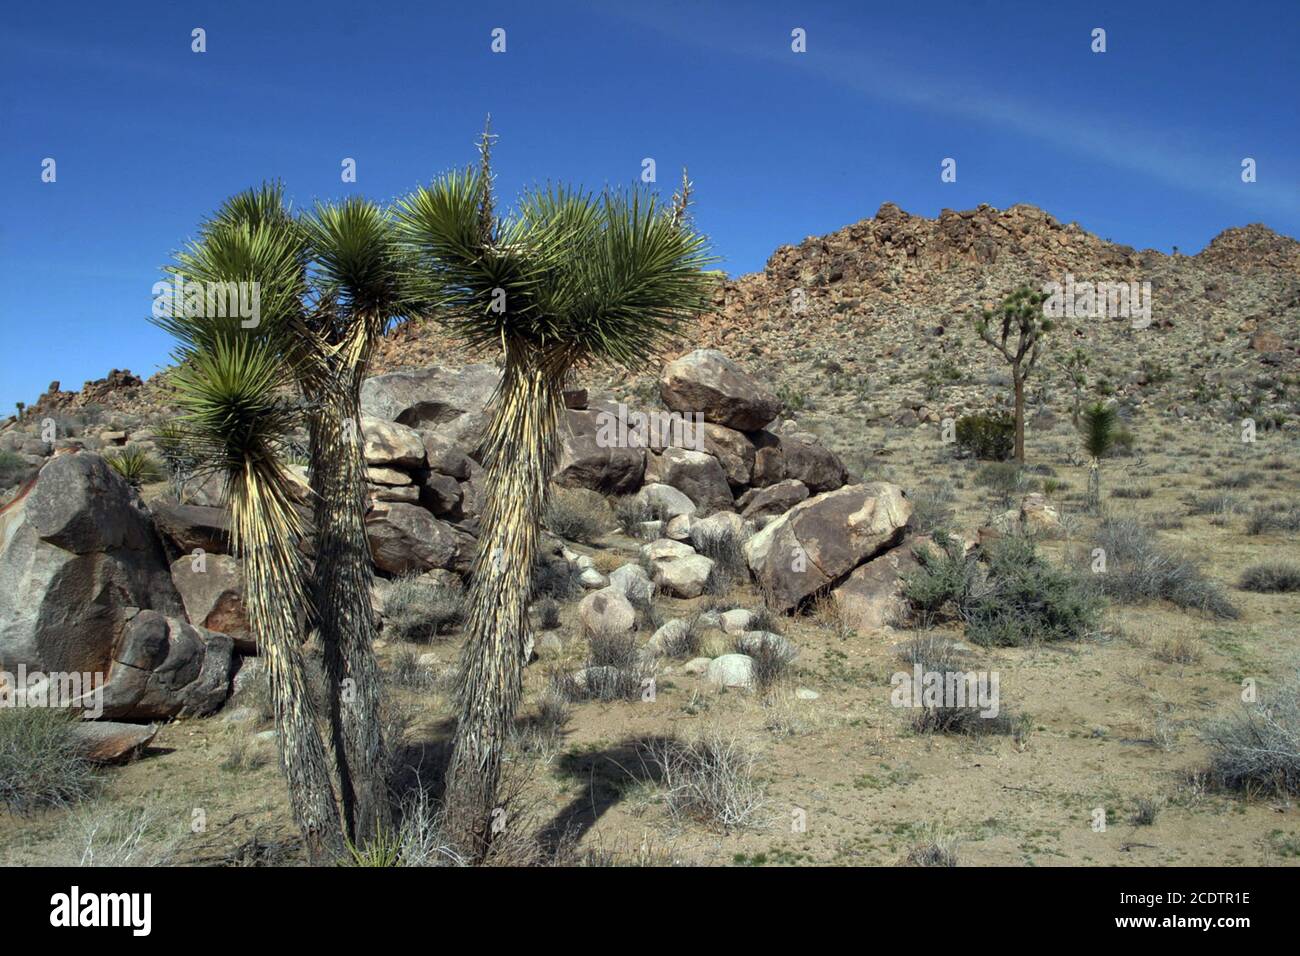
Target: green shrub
(989, 436)
(942, 583)
(1026, 600)
(40, 765)
(14, 470)
(1005, 480)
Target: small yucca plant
(1099, 432)
(136, 465)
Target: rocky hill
(872, 321)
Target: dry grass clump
(709, 780)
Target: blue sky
(1141, 144)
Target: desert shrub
(930, 511)
(1274, 517)
(614, 668)
(771, 657)
(1219, 505)
(710, 780)
(555, 579)
(407, 671)
(937, 655)
(1237, 480)
(1274, 577)
(1005, 480)
(576, 514)
(937, 848)
(943, 581)
(1257, 749)
(631, 512)
(1138, 570)
(1133, 491)
(40, 765)
(1027, 600)
(110, 835)
(548, 613)
(990, 436)
(726, 549)
(14, 470)
(136, 465)
(419, 609)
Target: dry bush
(710, 780)
(40, 765)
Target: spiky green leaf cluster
(1098, 426)
(579, 276)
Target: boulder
(707, 382)
(405, 538)
(684, 577)
(588, 460)
(665, 549)
(755, 642)
(736, 621)
(78, 554)
(731, 670)
(391, 477)
(774, 500)
(213, 594)
(632, 581)
(665, 501)
(715, 526)
(165, 667)
(451, 403)
(872, 596)
(808, 460)
(442, 494)
(391, 444)
(607, 611)
(769, 463)
(191, 527)
(825, 537)
(698, 476)
(444, 456)
(109, 742)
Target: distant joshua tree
(567, 279)
(1075, 366)
(1099, 420)
(1016, 329)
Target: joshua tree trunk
(519, 451)
(262, 517)
(1094, 484)
(1019, 454)
(344, 616)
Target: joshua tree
(1016, 329)
(1075, 366)
(322, 332)
(231, 386)
(567, 279)
(1098, 439)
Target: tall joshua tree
(355, 274)
(231, 384)
(567, 279)
(1016, 329)
(346, 291)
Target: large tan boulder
(872, 596)
(707, 382)
(406, 538)
(825, 537)
(213, 593)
